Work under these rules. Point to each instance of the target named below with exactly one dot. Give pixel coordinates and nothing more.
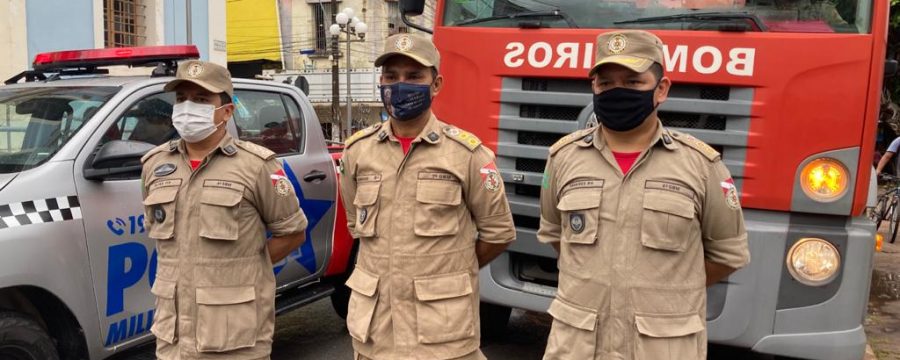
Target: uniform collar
(226, 146)
(662, 136)
(431, 133)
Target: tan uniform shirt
(214, 287)
(631, 264)
(418, 216)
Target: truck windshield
(797, 16)
(36, 122)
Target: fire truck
(786, 90)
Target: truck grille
(536, 112)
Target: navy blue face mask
(405, 101)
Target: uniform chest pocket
(437, 207)
(219, 207)
(668, 220)
(580, 210)
(366, 203)
(159, 206)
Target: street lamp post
(352, 26)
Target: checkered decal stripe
(40, 211)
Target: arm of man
(550, 228)
(279, 209)
(347, 169)
(724, 236)
(885, 159)
(486, 201)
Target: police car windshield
(796, 16)
(35, 122)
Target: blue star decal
(315, 210)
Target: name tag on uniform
(368, 177)
(431, 175)
(583, 184)
(225, 184)
(670, 186)
(164, 183)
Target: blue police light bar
(131, 56)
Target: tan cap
(210, 76)
(416, 47)
(634, 49)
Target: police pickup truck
(76, 265)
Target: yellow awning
(253, 31)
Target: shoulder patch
(167, 147)
(568, 139)
(360, 135)
(254, 149)
(696, 144)
(466, 138)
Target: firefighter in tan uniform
(644, 219)
(428, 206)
(209, 200)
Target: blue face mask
(405, 101)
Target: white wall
(217, 32)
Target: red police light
(113, 56)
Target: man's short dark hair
(657, 70)
(226, 99)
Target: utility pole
(187, 18)
(337, 131)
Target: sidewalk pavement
(883, 320)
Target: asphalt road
(316, 332)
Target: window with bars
(322, 14)
(395, 24)
(124, 22)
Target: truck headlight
(824, 179)
(813, 262)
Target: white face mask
(193, 121)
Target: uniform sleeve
(894, 145)
(486, 199)
(550, 229)
(348, 190)
(278, 205)
(724, 235)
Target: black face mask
(622, 109)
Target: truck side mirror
(117, 159)
(890, 68)
(413, 8)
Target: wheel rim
(13, 352)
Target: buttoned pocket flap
(366, 194)
(161, 195)
(445, 287)
(225, 295)
(674, 204)
(580, 199)
(665, 326)
(573, 316)
(221, 196)
(363, 282)
(163, 289)
(441, 192)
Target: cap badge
(195, 69)
(617, 43)
(404, 43)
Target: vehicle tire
(22, 338)
(895, 218)
(340, 298)
(494, 319)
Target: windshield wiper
(704, 16)
(528, 14)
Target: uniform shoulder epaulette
(568, 139)
(167, 147)
(254, 149)
(463, 137)
(696, 144)
(364, 133)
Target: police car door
(123, 258)
(280, 118)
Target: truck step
(300, 296)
